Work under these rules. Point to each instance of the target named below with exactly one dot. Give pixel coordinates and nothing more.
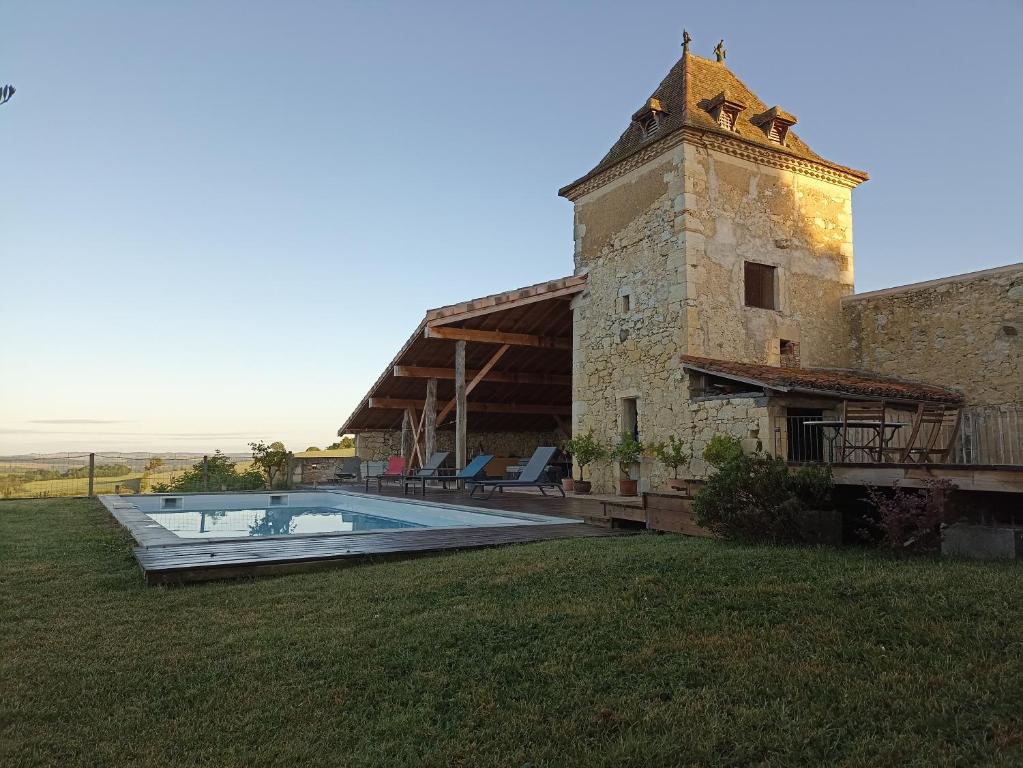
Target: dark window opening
(760, 285)
(788, 352)
(626, 302)
(805, 442)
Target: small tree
(627, 453)
(312, 448)
(272, 460)
(673, 454)
(585, 450)
(345, 442)
(721, 450)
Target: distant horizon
(220, 223)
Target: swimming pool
(295, 513)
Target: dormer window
(775, 124)
(650, 117)
(724, 110)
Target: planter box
(672, 511)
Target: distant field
(79, 486)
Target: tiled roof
(689, 88)
(828, 381)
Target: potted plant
(627, 453)
(673, 454)
(585, 450)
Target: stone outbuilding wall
(961, 332)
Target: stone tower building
(708, 229)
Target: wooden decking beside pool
(204, 561)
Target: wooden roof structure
(518, 364)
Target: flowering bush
(911, 520)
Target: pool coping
(149, 533)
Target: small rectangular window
(626, 303)
(630, 417)
(760, 285)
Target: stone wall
(733, 211)
(626, 242)
(664, 248)
(961, 332)
(378, 446)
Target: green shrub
(721, 450)
(218, 474)
(756, 498)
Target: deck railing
(988, 435)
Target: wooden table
(879, 427)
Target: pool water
(298, 513)
(275, 521)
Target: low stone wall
(964, 332)
(378, 446)
(310, 470)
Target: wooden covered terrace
(497, 364)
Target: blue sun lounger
(471, 471)
(532, 476)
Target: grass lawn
(641, 651)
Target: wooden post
(430, 418)
(205, 473)
(92, 473)
(461, 412)
(406, 438)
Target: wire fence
(48, 475)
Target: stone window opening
(760, 285)
(626, 302)
(788, 352)
(630, 417)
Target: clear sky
(219, 220)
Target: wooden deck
(203, 561)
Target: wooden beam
(397, 404)
(486, 307)
(498, 377)
(406, 437)
(480, 375)
(430, 418)
(498, 337)
(461, 411)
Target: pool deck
(168, 559)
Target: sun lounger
(395, 471)
(471, 471)
(533, 475)
(349, 470)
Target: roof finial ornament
(720, 52)
(686, 39)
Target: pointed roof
(692, 87)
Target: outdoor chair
(349, 470)
(533, 475)
(429, 471)
(863, 428)
(471, 471)
(935, 442)
(395, 470)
